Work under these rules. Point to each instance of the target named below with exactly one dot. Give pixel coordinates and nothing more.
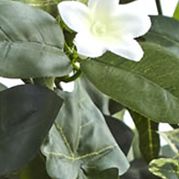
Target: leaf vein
(59, 128)
(92, 154)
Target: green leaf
(98, 98)
(149, 87)
(149, 140)
(118, 129)
(80, 140)
(138, 170)
(176, 14)
(48, 5)
(165, 168)
(25, 119)
(167, 151)
(2, 87)
(104, 103)
(31, 46)
(105, 174)
(34, 170)
(115, 107)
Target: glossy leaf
(121, 132)
(149, 87)
(165, 168)
(80, 140)
(25, 119)
(31, 46)
(149, 141)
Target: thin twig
(159, 7)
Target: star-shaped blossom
(106, 25)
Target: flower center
(98, 28)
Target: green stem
(159, 7)
(47, 82)
(67, 78)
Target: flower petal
(127, 48)
(75, 15)
(131, 21)
(88, 46)
(134, 25)
(103, 6)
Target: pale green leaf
(172, 137)
(165, 168)
(2, 87)
(80, 141)
(31, 43)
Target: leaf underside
(87, 147)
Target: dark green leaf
(48, 5)
(35, 169)
(80, 140)
(115, 107)
(174, 126)
(122, 133)
(149, 87)
(111, 173)
(26, 114)
(138, 170)
(149, 140)
(31, 43)
(165, 168)
(12, 176)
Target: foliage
(80, 133)
(71, 152)
(168, 167)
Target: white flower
(106, 25)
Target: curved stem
(68, 78)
